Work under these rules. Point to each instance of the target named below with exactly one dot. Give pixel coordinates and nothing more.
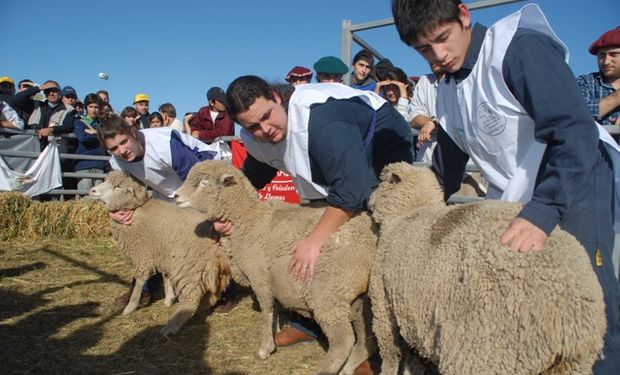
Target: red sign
(280, 188)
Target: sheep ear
(394, 178)
(228, 179)
(204, 182)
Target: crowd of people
(528, 126)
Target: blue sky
(175, 50)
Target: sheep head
(403, 189)
(120, 191)
(215, 187)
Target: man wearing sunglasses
(52, 116)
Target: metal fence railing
(612, 129)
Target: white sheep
(264, 232)
(444, 284)
(163, 237)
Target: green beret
(330, 65)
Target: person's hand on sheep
(523, 236)
(225, 228)
(123, 217)
(306, 251)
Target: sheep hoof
(264, 353)
(129, 309)
(169, 330)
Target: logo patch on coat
(489, 121)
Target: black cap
(216, 93)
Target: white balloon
(103, 76)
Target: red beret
(299, 72)
(609, 39)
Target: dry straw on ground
(23, 218)
(57, 312)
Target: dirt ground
(57, 316)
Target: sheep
(443, 283)
(258, 248)
(165, 238)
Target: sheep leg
(136, 293)
(340, 336)
(168, 291)
(365, 344)
(266, 302)
(188, 305)
(384, 326)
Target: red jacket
(207, 129)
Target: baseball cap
(140, 98)
(68, 90)
(7, 80)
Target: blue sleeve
(79, 129)
(184, 157)
(449, 163)
(259, 173)
(537, 75)
(339, 162)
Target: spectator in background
(155, 120)
(380, 70)
(104, 96)
(85, 130)
(24, 102)
(187, 118)
(299, 75)
(130, 115)
(212, 121)
(425, 116)
(141, 104)
(51, 117)
(362, 67)
(396, 89)
(602, 89)
(7, 92)
(79, 108)
(169, 115)
(330, 69)
(68, 96)
(25, 84)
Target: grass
(57, 316)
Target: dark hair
(168, 109)
(365, 55)
(102, 92)
(243, 91)
(397, 74)
(91, 98)
(414, 18)
(54, 82)
(25, 81)
(112, 125)
(156, 115)
(129, 112)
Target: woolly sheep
(165, 238)
(264, 232)
(444, 284)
